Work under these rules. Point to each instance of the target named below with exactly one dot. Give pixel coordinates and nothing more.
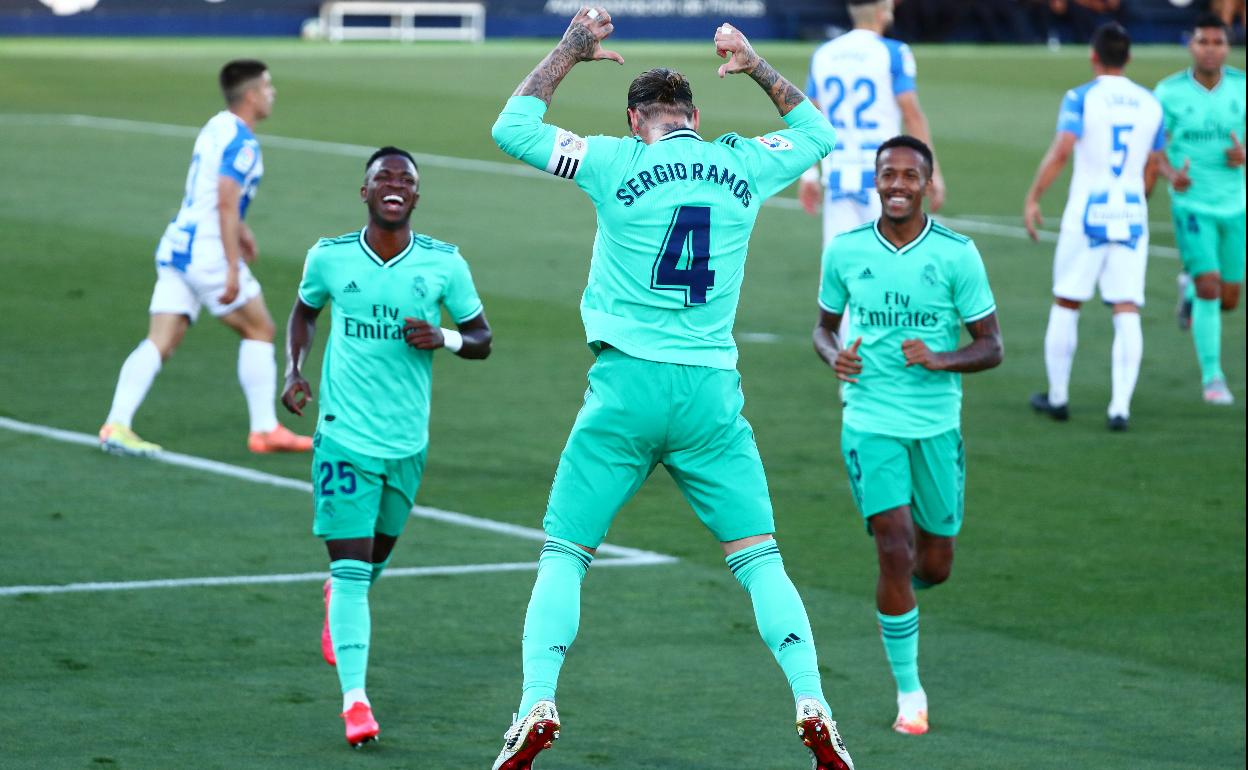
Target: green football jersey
(927, 290)
(1199, 123)
(375, 388)
(674, 223)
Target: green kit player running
(908, 284)
(675, 214)
(1203, 110)
(388, 286)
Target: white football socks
(1060, 341)
(257, 374)
(135, 379)
(1125, 355)
(911, 704)
(354, 696)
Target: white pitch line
(980, 227)
(361, 151)
(968, 224)
(618, 555)
(307, 577)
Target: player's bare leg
(257, 374)
(933, 558)
(898, 613)
(164, 334)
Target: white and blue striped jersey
(1117, 124)
(225, 147)
(856, 79)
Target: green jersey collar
(1191, 75)
(927, 228)
(411, 244)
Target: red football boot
(361, 727)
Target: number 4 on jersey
(689, 232)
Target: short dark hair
(238, 73)
(1209, 20)
(662, 87)
(1112, 44)
(909, 142)
(387, 151)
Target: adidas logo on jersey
(351, 288)
(791, 640)
(866, 273)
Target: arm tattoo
(783, 94)
(577, 45)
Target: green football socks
(553, 617)
(900, 634)
(1207, 334)
(349, 621)
(378, 568)
(780, 615)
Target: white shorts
(183, 293)
(845, 214)
(1115, 269)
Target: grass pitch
(1096, 614)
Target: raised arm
(731, 43)
(300, 330)
(581, 42)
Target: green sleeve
(972, 296)
(461, 298)
(312, 289)
(1167, 115)
(779, 158)
(592, 162)
(833, 296)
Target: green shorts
(1209, 242)
(355, 495)
(640, 413)
(927, 474)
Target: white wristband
(452, 340)
(811, 175)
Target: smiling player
(908, 284)
(388, 286)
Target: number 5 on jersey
(689, 232)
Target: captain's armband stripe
(568, 153)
